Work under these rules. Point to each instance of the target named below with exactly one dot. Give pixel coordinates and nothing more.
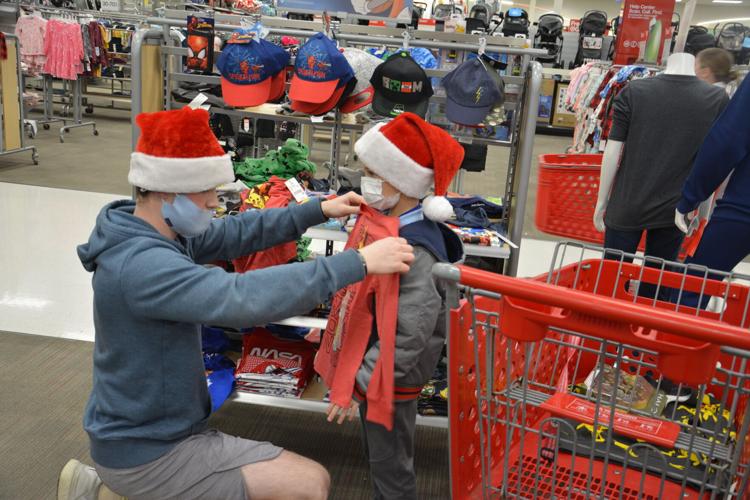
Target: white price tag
(198, 102)
(97, 51)
(296, 189)
(316, 119)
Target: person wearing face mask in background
(714, 66)
(403, 160)
(146, 416)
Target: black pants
(662, 243)
(391, 453)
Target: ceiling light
(722, 21)
(728, 1)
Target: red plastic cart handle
(702, 329)
(689, 346)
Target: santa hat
(413, 155)
(178, 153)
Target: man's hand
(342, 206)
(342, 413)
(388, 256)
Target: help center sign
(645, 29)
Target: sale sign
(645, 31)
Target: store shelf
(502, 252)
(312, 400)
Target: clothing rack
(77, 93)
(12, 131)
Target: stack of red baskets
(566, 199)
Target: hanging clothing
(353, 312)
(30, 31)
(63, 44)
(3, 48)
(272, 194)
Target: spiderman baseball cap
(471, 92)
(400, 85)
(248, 69)
(319, 70)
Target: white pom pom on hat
(437, 208)
(413, 155)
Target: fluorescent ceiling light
(727, 1)
(721, 21)
(507, 2)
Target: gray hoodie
(151, 294)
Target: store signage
(574, 26)
(111, 6)
(427, 24)
(391, 9)
(645, 31)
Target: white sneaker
(79, 481)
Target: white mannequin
(677, 64)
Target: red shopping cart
(600, 380)
(566, 199)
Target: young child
(403, 160)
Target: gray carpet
(44, 383)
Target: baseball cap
(400, 85)
(248, 67)
(471, 93)
(319, 70)
(336, 99)
(364, 65)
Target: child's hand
(334, 409)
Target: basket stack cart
(600, 379)
(566, 199)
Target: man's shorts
(205, 466)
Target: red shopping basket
(517, 346)
(566, 199)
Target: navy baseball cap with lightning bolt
(471, 92)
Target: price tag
(97, 51)
(198, 102)
(317, 119)
(296, 189)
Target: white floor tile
(44, 290)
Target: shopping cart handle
(599, 308)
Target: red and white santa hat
(178, 153)
(413, 155)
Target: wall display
(393, 9)
(645, 31)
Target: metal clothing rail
(4, 114)
(522, 127)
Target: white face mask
(372, 192)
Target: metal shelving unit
(522, 130)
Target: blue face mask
(184, 216)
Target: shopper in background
(403, 159)
(714, 66)
(726, 151)
(146, 416)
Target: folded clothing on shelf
(288, 161)
(481, 237)
(274, 366)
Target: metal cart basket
(600, 379)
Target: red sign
(651, 430)
(574, 26)
(644, 32)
